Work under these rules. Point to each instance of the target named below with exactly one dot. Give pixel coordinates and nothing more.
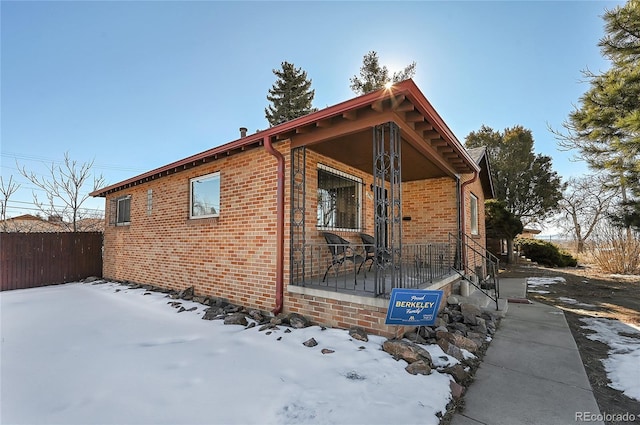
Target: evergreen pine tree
(605, 127)
(290, 96)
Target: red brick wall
(231, 256)
(432, 206)
(474, 188)
(234, 255)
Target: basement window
(339, 197)
(205, 196)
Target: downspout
(279, 224)
(463, 219)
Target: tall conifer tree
(605, 127)
(291, 95)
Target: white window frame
(358, 182)
(204, 178)
(119, 221)
(473, 208)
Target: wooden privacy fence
(28, 260)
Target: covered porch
(375, 197)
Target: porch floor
(364, 282)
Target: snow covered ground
(89, 354)
(535, 283)
(623, 364)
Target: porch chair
(370, 248)
(341, 251)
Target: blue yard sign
(413, 307)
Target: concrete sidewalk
(532, 372)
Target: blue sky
(137, 85)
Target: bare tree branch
(64, 190)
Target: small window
(123, 210)
(149, 201)
(338, 199)
(205, 196)
(474, 214)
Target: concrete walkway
(532, 372)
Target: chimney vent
(243, 132)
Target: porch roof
(433, 149)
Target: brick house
(248, 220)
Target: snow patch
(624, 354)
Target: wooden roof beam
(378, 105)
(405, 106)
(423, 126)
(350, 115)
(414, 116)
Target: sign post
(413, 307)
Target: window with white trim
(123, 210)
(473, 204)
(204, 200)
(339, 197)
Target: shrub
(616, 250)
(545, 253)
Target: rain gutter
(279, 224)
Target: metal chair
(370, 248)
(341, 251)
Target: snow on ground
(88, 354)
(623, 364)
(534, 283)
(575, 302)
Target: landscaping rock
(213, 313)
(236, 319)
(310, 343)
(256, 315)
(298, 321)
(407, 351)
(327, 351)
(450, 349)
(92, 279)
(186, 294)
(461, 327)
(419, 367)
(481, 326)
(359, 334)
(413, 336)
(230, 308)
(461, 376)
(456, 390)
(458, 340)
(453, 300)
(470, 313)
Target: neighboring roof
(26, 217)
(29, 223)
(479, 155)
(401, 95)
(531, 231)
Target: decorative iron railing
(354, 268)
(477, 266)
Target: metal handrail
(490, 261)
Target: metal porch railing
(353, 271)
(477, 266)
